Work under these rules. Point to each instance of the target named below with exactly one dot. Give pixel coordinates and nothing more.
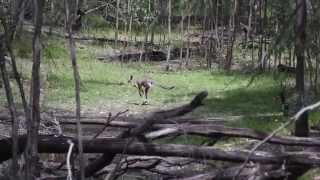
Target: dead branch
(108, 121)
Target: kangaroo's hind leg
(146, 90)
(140, 91)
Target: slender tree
(12, 110)
(182, 32)
(169, 34)
(76, 75)
(116, 35)
(188, 33)
(232, 35)
(10, 24)
(32, 171)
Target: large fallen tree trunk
(152, 55)
(52, 144)
(59, 33)
(265, 172)
(125, 122)
(210, 130)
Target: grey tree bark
(169, 34)
(32, 156)
(76, 75)
(12, 109)
(301, 126)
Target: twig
(69, 177)
(109, 120)
(292, 120)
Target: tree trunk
(302, 124)
(250, 19)
(116, 35)
(169, 35)
(300, 41)
(182, 34)
(232, 36)
(76, 75)
(12, 109)
(316, 75)
(300, 27)
(188, 36)
(216, 26)
(32, 157)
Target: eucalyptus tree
(301, 128)
(231, 32)
(169, 34)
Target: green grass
(106, 83)
(227, 93)
(22, 46)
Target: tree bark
(212, 131)
(12, 109)
(51, 144)
(188, 36)
(117, 24)
(300, 28)
(301, 125)
(232, 36)
(182, 34)
(76, 76)
(32, 157)
(169, 35)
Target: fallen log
(30, 28)
(126, 122)
(52, 144)
(220, 130)
(210, 130)
(152, 55)
(265, 172)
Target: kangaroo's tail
(165, 87)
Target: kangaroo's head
(130, 79)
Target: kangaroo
(144, 85)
